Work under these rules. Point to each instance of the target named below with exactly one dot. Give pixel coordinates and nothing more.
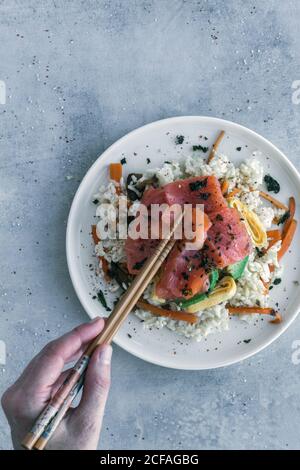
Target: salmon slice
(227, 240)
(185, 272)
(182, 275)
(137, 251)
(204, 190)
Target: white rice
(168, 173)
(250, 288)
(212, 320)
(110, 249)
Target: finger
(69, 364)
(46, 367)
(89, 414)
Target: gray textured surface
(80, 74)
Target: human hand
(27, 397)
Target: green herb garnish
(139, 264)
(186, 291)
(200, 147)
(272, 184)
(204, 196)
(179, 139)
(284, 217)
(102, 300)
(259, 252)
(195, 185)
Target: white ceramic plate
(157, 142)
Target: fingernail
(105, 354)
(95, 319)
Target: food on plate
(254, 226)
(236, 270)
(236, 258)
(223, 291)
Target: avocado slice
(184, 304)
(213, 279)
(236, 270)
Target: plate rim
(127, 346)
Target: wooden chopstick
(54, 412)
(54, 423)
(112, 325)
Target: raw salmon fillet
(204, 190)
(185, 272)
(182, 275)
(227, 240)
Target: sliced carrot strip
(292, 209)
(94, 235)
(249, 310)
(274, 234)
(234, 192)
(259, 310)
(273, 201)
(115, 172)
(162, 312)
(287, 239)
(215, 146)
(277, 319)
(224, 186)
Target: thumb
(89, 414)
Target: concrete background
(79, 75)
